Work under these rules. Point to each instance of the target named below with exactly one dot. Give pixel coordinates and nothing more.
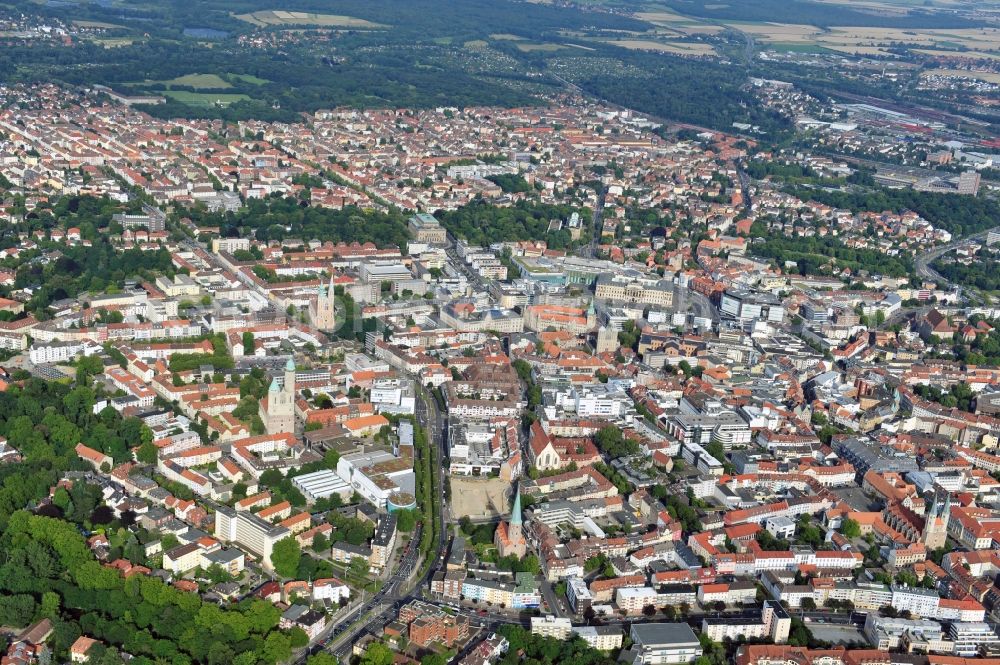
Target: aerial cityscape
(430, 332)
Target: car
(483, 613)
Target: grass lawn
(200, 81)
(204, 98)
(249, 78)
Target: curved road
(921, 262)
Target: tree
(322, 658)
(435, 659)
(320, 543)
(406, 520)
(16, 609)
(146, 453)
(850, 528)
(285, 556)
(377, 654)
(298, 638)
(359, 566)
(808, 604)
(612, 443)
(277, 647)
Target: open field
(527, 47)
(901, 6)
(281, 17)
(697, 29)
(99, 25)
(115, 42)
(678, 48)
(987, 39)
(248, 78)
(476, 44)
(872, 40)
(203, 98)
(206, 81)
(799, 47)
(989, 77)
(662, 17)
(506, 36)
(778, 32)
(478, 497)
(959, 54)
(200, 81)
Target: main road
(402, 586)
(922, 262)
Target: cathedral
(509, 539)
(277, 410)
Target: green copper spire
(515, 512)
(275, 388)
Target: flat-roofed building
(664, 643)
(322, 485)
(249, 532)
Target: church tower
(509, 538)
(322, 310)
(935, 533)
(514, 532)
(277, 410)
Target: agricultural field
(871, 41)
(676, 47)
(528, 47)
(980, 55)
(989, 77)
(281, 17)
(98, 25)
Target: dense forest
(417, 57)
(80, 268)
(45, 421)
(412, 19)
(983, 350)
(481, 223)
(66, 271)
(960, 215)
(277, 218)
(703, 93)
(813, 256)
(49, 572)
(983, 273)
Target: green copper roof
(515, 512)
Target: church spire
(515, 512)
